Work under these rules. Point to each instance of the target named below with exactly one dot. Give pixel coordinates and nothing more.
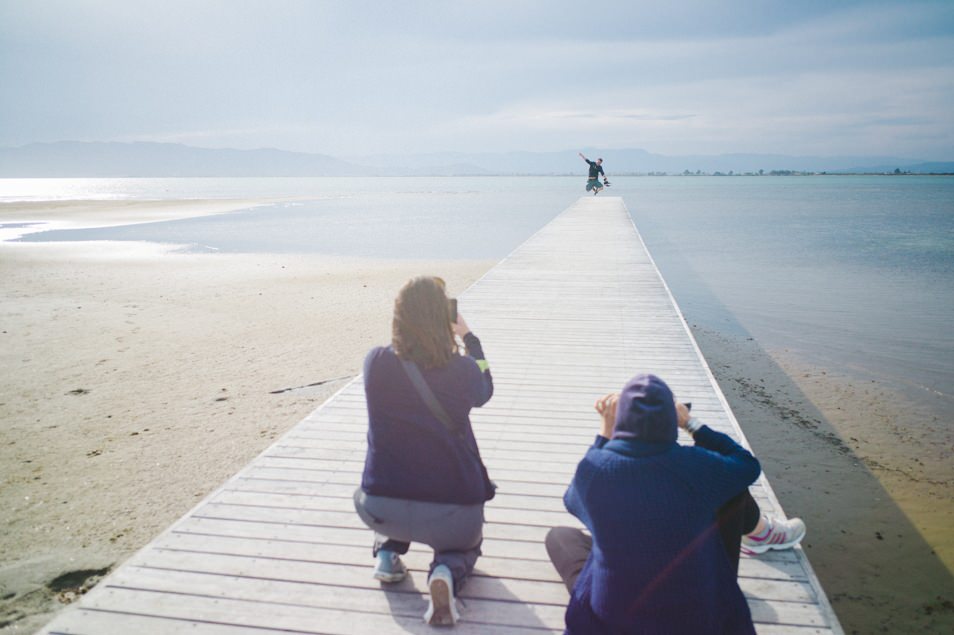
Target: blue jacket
(411, 454)
(658, 564)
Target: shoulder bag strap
(414, 373)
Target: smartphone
(452, 305)
(688, 405)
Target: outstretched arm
(583, 157)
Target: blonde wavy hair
(421, 330)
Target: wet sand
(876, 497)
(30, 216)
(135, 381)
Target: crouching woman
(424, 480)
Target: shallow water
(848, 271)
(375, 217)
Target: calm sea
(854, 272)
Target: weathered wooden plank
(376, 598)
(200, 611)
(349, 575)
(417, 559)
(507, 547)
(773, 628)
(495, 566)
(528, 499)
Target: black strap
(414, 373)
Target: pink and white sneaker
(778, 534)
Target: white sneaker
(442, 610)
(779, 534)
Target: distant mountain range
(147, 159)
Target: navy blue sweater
(658, 564)
(411, 454)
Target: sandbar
(23, 217)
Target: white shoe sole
(390, 577)
(441, 611)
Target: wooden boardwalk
(569, 316)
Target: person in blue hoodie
(665, 522)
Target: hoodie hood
(646, 411)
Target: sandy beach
(136, 380)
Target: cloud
(363, 77)
(608, 116)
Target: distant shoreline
(65, 159)
(773, 173)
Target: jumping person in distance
(593, 181)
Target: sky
(355, 78)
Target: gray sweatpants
(454, 532)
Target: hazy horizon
(573, 151)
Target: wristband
(693, 425)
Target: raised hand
(606, 407)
